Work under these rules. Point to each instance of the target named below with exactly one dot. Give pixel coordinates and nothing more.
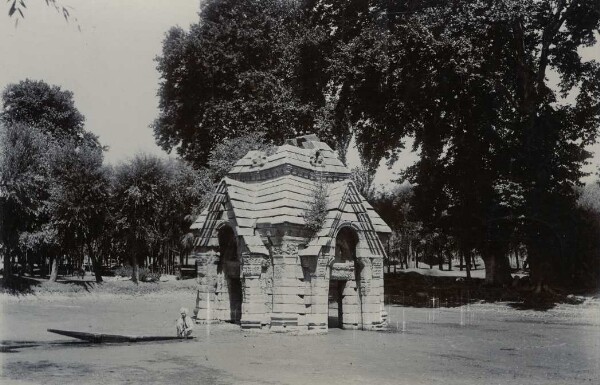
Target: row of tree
(59, 201)
(411, 242)
(500, 149)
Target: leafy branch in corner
(17, 10)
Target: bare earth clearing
(472, 344)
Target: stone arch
(346, 240)
(345, 279)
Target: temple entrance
(335, 317)
(344, 302)
(230, 265)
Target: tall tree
(499, 151)
(468, 80)
(153, 201)
(137, 189)
(47, 116)
(23, 187)
(38, 104)
(227, 76)
(79, 198)
(552, 135)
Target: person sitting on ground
(185, 325)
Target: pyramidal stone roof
(305, 156)
(263, 191)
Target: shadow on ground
(18, 285)
(87, 285)
(25, 285)
(17, 346)
(417, 290)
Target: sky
(109, 66)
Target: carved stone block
(342, 271)
(377, 268)
(251, 271)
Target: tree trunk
(96, 264)
(461, 260)
(538, 266)
(135, 273)
(449, 261)
(467, 264)
(440, 260)
(497, 269)
(54, 272)
(8, 276)
(517, 259)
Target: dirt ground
(471, 344)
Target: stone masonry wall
(283, 293)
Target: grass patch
(118, 287)
(417, 290)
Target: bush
(124, 271)
(315, 215)
(148, 276)
(145, 274)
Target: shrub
(148, 276)
(315, 215)
(124, 271)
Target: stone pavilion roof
(266, 191)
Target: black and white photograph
(293, 192)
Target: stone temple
(260, 266)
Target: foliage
(499, 154)
(16, 9)
(315, 214)
(149, 276)
(23, 190)
(79, 197)
(124, 271)
(152, 200)
(137, 200)
(145, 275)
(46, 107)
(224, 155)
(395, 208)
(363, 180)
(242, 86)
(39, 120)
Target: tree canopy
(38, 104)
(500, 151)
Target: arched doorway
(229, 264)
(341, 285)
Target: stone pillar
(316, 287)
(371, 286)
(206, 269)
(254, 303)
(351, 306)
(221, 306)
(351, 301)
(289, 310)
